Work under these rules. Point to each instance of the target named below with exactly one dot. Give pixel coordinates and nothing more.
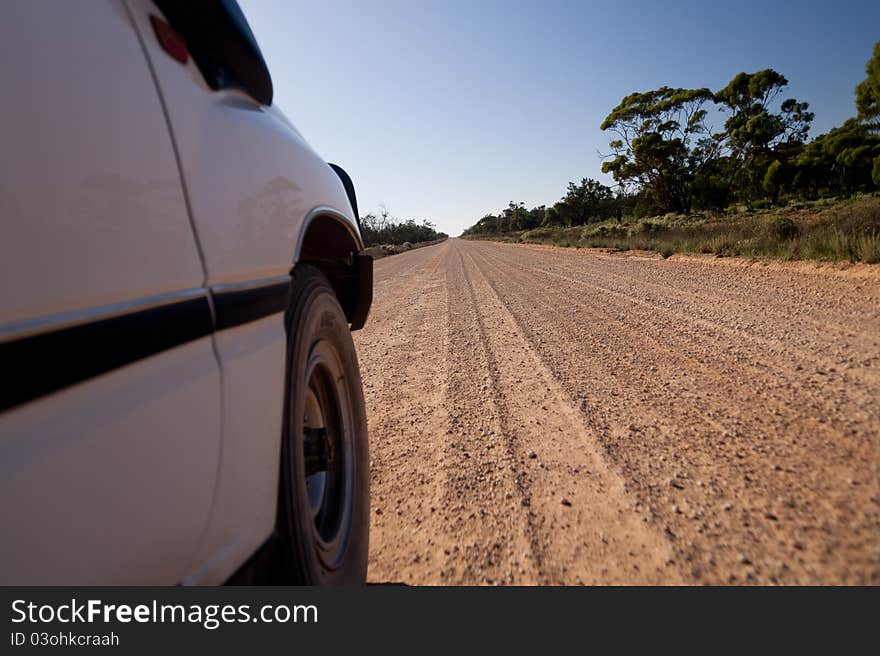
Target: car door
(251, 181)
(110, 417)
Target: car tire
(324, 487)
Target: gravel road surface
(541, 415)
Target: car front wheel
(324, 490)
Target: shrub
(784, 227)
(845, 230)
(868, 247)
(650, 227)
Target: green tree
(535, 217)
(839, 162)
(773, 180)
(868, 92)
(514, 217)
(588, 200)
(755, 132)
(384, 229)
(487, 225)
(662, 143)
(711, 188)
(551, 217)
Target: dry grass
(847, 230)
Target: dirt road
(542, 415)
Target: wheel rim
(327, 454)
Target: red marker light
(170, 40)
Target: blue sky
(448, 110)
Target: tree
(383, 229)
(754, 133)
(868, 92)
(535, 217)
(659, 147)
(710, 189)
(589, 200)
(840, 161)
(773, 180)
(515, 217)
(486, 225)
(551, 217)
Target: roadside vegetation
(758, 187)
(824, 230)
(384, 235)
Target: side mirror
(222, 45)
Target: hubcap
(327, 454)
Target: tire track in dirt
(744, 339)
(682, 308)
(403, 370)
(768, 381)
(694, 350)
(791, 286)
(810, 516)
(694, 434)
(691, 342)
(490, 529)
(587, 527)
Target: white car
(181, 397)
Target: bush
(845, 230)
(650, 227)
(784, 227)
(868, 247)
(383, 229)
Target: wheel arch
(330, 242)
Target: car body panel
(253, 183)
(109, 480)
(127, 183)
(88, 175)
(244, 507)
(251, 178)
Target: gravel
(677, 403)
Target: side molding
(238, 304)
(62, 351)
(67, 354)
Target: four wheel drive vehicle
(181, 399)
